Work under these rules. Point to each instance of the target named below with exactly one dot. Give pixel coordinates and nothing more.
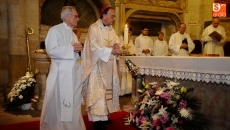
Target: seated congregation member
(180, 43)
(160, 46)
(143, 43)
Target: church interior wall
(17, 15)
(4, 58)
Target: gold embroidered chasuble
(100, 77)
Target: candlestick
(126, 31)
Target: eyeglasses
(75, 16)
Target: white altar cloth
(205, 69)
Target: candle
(126, 31)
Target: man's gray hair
(66, 11)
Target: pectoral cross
(108, 42)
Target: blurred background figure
(160, 46)
(212, 45)
(180, 43)
(144, 43)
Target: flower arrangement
(166, 107)
(22, 91)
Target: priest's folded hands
(116, 49)
(77, 47)
(146, 51)
(184, 46)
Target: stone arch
(173, 16)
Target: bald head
(182, 28)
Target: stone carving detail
(169, 3)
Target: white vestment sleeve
(173, 45)
(191, 45)
(105, 54)
(205, 37)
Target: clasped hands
(146, 51)
(116, 50)
(183, 46)
(77, 47)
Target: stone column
(117, 21)
(16, 40)
(21, 14)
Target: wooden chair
(198, 47)
(227, 49)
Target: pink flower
(143, 119)
(158, 128)
(165, 95)
(156, 122)
(183, 104)
(164, 119)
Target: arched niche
(153, 15)
(152, 11)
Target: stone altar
(209, 76)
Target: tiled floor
(9, 117)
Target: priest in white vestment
(143, 43)
(180, 43)
(61, 108)
(213, 46)
(160, 46)
(101, 85)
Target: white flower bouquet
(167, 107)
(22, 91)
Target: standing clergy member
(214, 43)
(62, 103)
(143, 43)
(160, 46)
(180, 43)
(101, 84)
